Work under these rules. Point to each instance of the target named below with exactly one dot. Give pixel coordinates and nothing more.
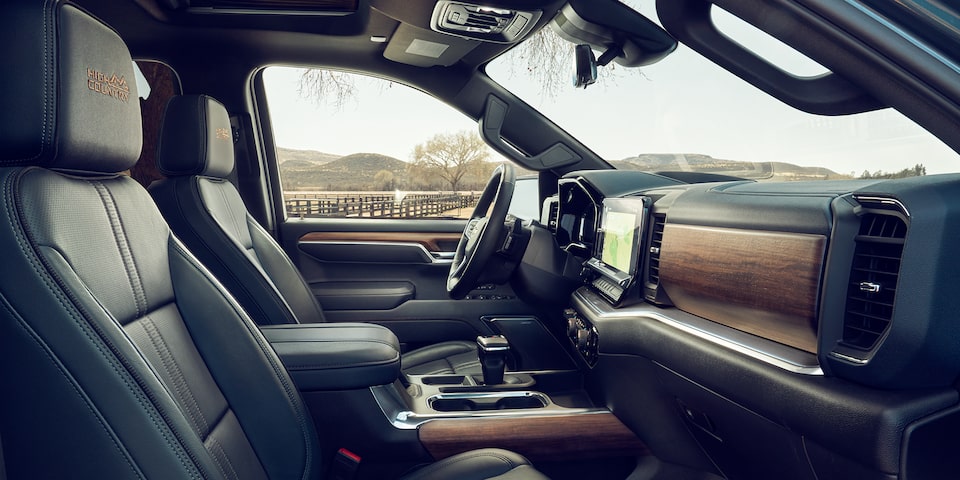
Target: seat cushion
(487, 463)
(444, 358)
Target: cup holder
(473, 402)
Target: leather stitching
(223, 461)
(204, 135)
(46, 132)
(237, 224)
(89, 328)
(176, 375)
(259, 230)
(111, 434)
(193, 188)
(279, 370)
(123, 245)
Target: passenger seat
(205, 210)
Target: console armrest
(336, 356)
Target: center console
(542, 414)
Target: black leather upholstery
(51, 96)
(336, 356)
(207, 213)
(443, 358)
(121, 356)
(485, 463)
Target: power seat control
(583, 336)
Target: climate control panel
(583, 336)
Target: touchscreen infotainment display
(621, 224)
(619, 238)
(616, 257)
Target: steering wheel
(483, 233)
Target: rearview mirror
(610, 26)
(586, 67)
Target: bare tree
(545, 57)
(329, 87)
(450, 156)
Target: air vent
(552, 212)
(483, 23)
(873, 278)
(656, 240)
(477, 20)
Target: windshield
(687, 114)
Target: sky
(683, 104)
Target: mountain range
(313, 170)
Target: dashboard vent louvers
(553, 213)
(486, 22)
(873, 279)
(656, 240)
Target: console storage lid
(336, 356)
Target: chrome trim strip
(486, 395)
(767, 351)
(439, 258)
(883, 200)
(847, 358)
(404, 418)
(266, 11)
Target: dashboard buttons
(583, 336)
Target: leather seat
(121, 356)
(206, 212)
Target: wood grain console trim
(538, 438)
(430, 240)
(763, 283)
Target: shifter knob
(493, 352)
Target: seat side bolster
(275, 420)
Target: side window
(350, 145)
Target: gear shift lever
(493, 352)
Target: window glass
(685, 113)
(350, 145)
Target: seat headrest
(196, 138)
(69, 93)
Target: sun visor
(426, 48)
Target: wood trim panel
(763, 283)
(430, 240)
(538, 438)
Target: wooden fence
(379, 205)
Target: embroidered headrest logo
(109, 85)
(223, 134)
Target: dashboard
(800, 306)
(815, 266)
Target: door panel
(393, 273)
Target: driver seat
(206, 212)
(122, 357)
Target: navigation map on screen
(618, 237)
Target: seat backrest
(121, 356)
(206, 212)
